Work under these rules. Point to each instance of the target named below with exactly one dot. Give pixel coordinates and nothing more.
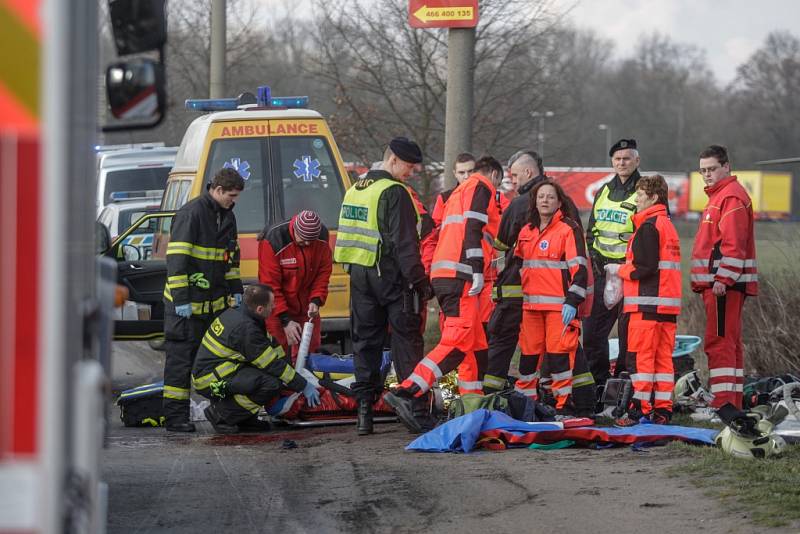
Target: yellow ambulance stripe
(19, 70)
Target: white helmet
(749, 447)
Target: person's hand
(184, 310)
(719, 289)
(293, 333)
(311, 394)
(477, 284)
(237, 300)
(612, 268)
(313, 310)
(424, 290)
(568, 313)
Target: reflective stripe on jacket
(202, 257)
(613, 224)
(555, 266)
(724, 248)
(652, 269)
(467, 231)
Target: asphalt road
(335, 481)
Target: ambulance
(56, 295)
(290, 162)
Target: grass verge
(767, 490)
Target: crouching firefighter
(460, 257)
(239, 367)
(651, 285)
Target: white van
(136, 169)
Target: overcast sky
(729, 30)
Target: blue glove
(184, 310)
(568, 314)
(311, 394)
(237, 300)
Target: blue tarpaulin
(491, 429)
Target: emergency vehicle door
(144, 278)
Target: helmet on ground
(749, 447)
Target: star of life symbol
(544, 244)
(242, 167)
(306, 168)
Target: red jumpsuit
(652, 296)
(468, 214)
(725, 251)
(555, 271)
(297, 275)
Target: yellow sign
(437, 14)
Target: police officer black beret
(622, 144)
(405, 149)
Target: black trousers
(182, 339)
(595, 334)
(248, 390)
(371, 315)
(503, 335)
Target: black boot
(404, 408)
(424, 412)
(364, 426)
(220, 426)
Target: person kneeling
(239, 367)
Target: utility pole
(460, 97)
(216, 86)
(606, 128)
(541, 115)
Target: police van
(289, 161)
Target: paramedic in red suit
(295, 259)
(724, 272)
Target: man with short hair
(457, 275)
(295, 259)
(607, 234)
(724, 273)
(377, 240)
(239, 367)
(462, 168)
(202, 274)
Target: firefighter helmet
(740, 446)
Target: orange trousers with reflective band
(462, 338)
(548, 351)
(649, 361)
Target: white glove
(477, 284)
(612, 268)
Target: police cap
(622, 144)
(405, 149)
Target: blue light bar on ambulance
(211, 104)
(266, 100)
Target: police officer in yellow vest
(607, 235)
(378, 242)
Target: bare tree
(389, 79)
(764, 104)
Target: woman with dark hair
(555, 284)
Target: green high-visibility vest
(613, 224)
(358, 238)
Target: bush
(769, 331)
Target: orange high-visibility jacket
(652, 269)
(467, 232)
(725, 247)
(555, 268)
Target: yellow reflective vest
(358, 238)
(613, 224)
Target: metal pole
(216, 86)
(460, 80)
